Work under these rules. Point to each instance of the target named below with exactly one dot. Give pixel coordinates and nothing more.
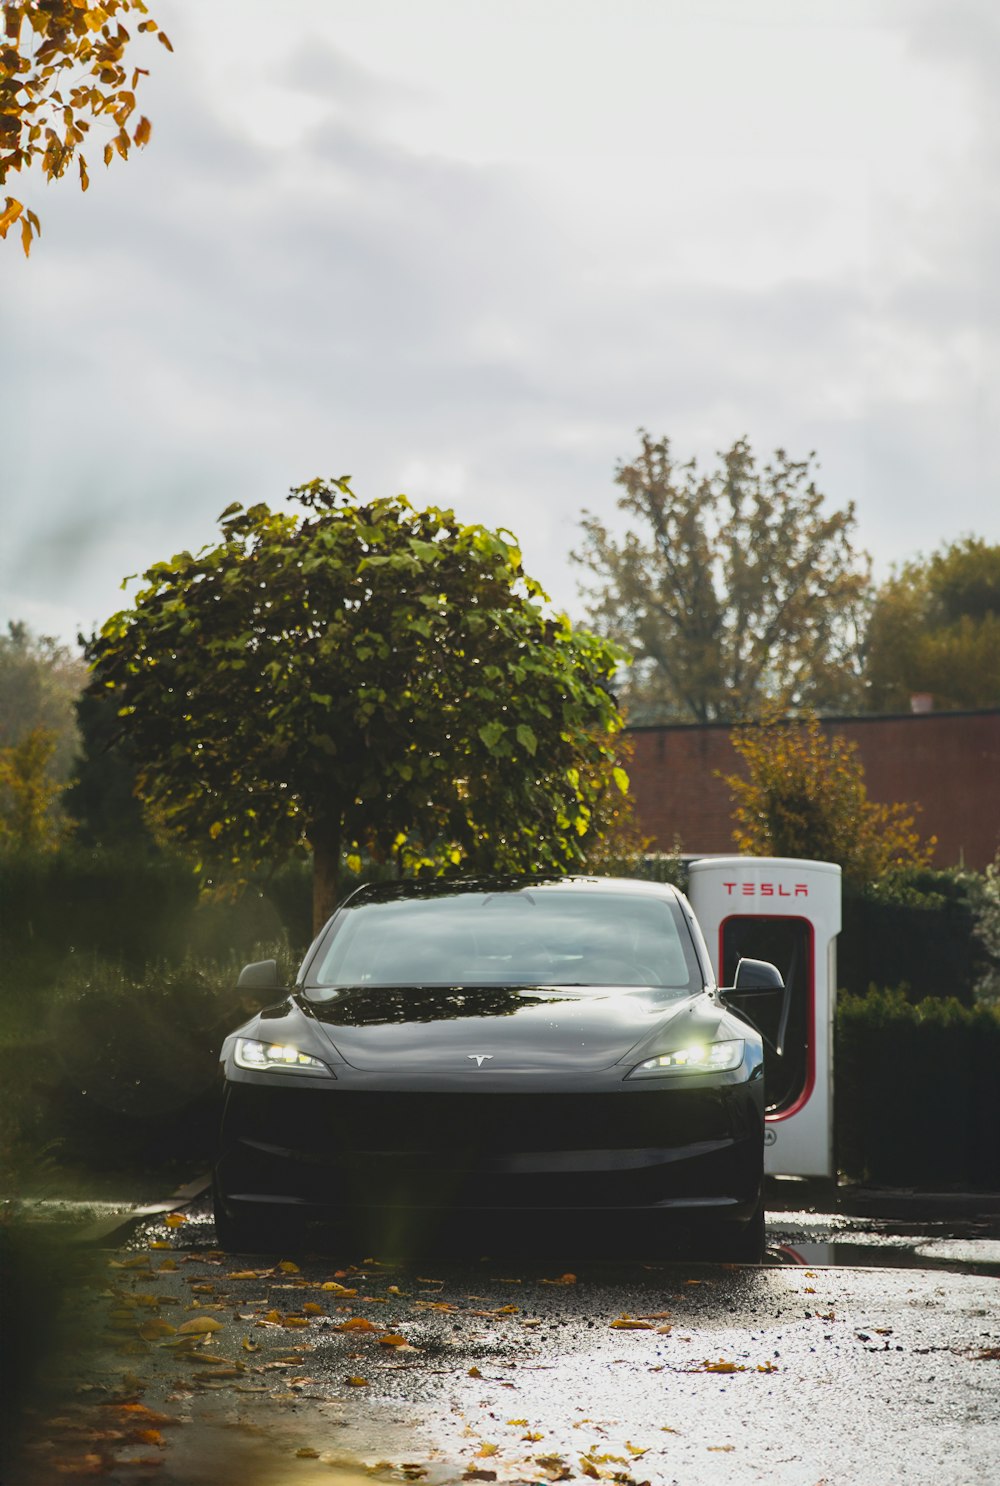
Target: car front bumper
(335, 1153)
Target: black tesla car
(500, 1047)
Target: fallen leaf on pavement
(154, 1328)
(199, 1325)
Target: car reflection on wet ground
(834, 1239)
(192, 1367)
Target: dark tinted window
(518, 937)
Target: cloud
(233, 312)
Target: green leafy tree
(363, 677)
(935, 627)
(64, 68)
(804, 795)
(730, 589)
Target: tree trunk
(324, 837)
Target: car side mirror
(755, 975)
(262, 975)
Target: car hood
(452, 1028)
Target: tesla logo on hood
(479, 1057)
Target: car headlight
(698, 1057)
(275, 1056)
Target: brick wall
(948, 762)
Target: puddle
(834, 1239)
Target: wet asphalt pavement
(195, 1368)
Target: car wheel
(740, 1243)
(254, 1235)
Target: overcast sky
(464, 248)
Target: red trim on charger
(803, 1097)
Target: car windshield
(514, 937)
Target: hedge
(917, 1092)
(915, 930)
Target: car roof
(438, 887)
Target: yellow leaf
(336, 1289)
(357, 1323)
(485, 1450)
(26, 237)
(150, 1330)
(142, 131)
(296, 1321)
(243, 1274)
(287, 1267)
(168, 1265)
(199, 1324)
(626, 1323)
(356, 1382)
(474, 1373)
(160, 36)
(393, 1339)
(274, 1317)
(312, 1309)
(307, 1453)
(249, 1346)
(589, 1469)
(174, 1220)
(109, 153)
(533, 1436)
(84, 177)
(564, 1279)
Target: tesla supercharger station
(786, 911)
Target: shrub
(805, 796)
(915, 929)
(121, 1065)
(917, 1095)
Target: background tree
(40, 682)
(63, 68)
(363, 677)
(935, 627)
(730, 590)
(30, 819)
(804, 795)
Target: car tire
(278, 1232)
(740, 1243)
